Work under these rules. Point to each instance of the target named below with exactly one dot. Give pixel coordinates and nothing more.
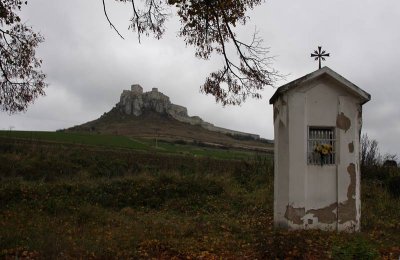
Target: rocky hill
(149, 114)
(135, 102)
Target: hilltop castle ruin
(135, 102)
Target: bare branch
(135, 18)
(208, 25)
(149, 19)
(108, 19)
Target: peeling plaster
(295, 214)
(343, 122)
(351, 147)
(347, 209)
(351, 190)
(325, 215)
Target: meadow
(124, 142)
(68, 200)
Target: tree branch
(136, 18)
(108, 19)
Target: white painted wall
(313, 196)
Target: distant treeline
(249, 138)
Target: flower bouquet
(324, 150)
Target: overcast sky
(88, 65)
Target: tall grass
(65, 201)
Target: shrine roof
(364, 96)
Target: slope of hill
(163, 127)
(152, 115)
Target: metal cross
(319, 55)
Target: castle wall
(137, 89)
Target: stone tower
(136, 89)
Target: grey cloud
(88, 65)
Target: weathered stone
(137, 89)
(135, 102)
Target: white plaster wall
(307, 196)
(321, 189)
(297, 148)
(281, 166)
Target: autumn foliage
(21, 80)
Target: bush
(109, 168)
(255, 173)
(154, 193)
(394, 186)
(375, 172)
(183, 142)
(359, 248)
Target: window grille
(321, 146)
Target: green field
(61, 200)
(76, 138)
(116, 141)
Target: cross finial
(319, 55)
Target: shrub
(183, 142)
(255, 173)
(109, 168)
(360, 248)
(394, 186)
(375, 172)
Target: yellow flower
(323, 149)
(318, 148)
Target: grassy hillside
(77, 138)
(70, 201)
(138, 144)
(151, 124)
